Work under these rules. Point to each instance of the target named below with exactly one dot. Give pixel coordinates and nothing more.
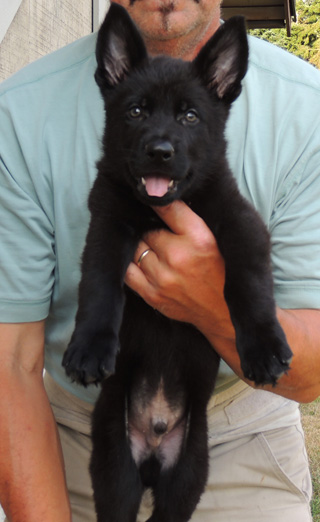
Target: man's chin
(164, 20)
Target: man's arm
(32, 481)
(302, 328)
(183, 277)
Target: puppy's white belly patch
(167, 450)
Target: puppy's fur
(164, 140)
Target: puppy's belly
(166, 448)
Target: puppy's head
(166, 117)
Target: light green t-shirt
(51, 123)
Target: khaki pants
(258, 472)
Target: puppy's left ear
(120, 48)
(223, 61)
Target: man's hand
(183, 274)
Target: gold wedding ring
(143, 255)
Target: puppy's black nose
(160, 150)
(160, 428)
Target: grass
(311, 423)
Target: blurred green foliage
(305, 33)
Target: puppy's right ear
(120, 48)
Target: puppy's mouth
(157, 186)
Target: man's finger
(141, 248)
(180, 218)
(139, 283)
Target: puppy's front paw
(265, 354)
(89, 361)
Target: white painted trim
(9, 9)
(99, 9)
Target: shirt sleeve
(27, 257)
(295, 232)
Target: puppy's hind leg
(120, 499)
(115, 478)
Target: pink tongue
(156, 186)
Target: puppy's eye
(188, 117)
(191, 116)
(135, 112)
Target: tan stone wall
(42, 26)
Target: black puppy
(164, 140)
